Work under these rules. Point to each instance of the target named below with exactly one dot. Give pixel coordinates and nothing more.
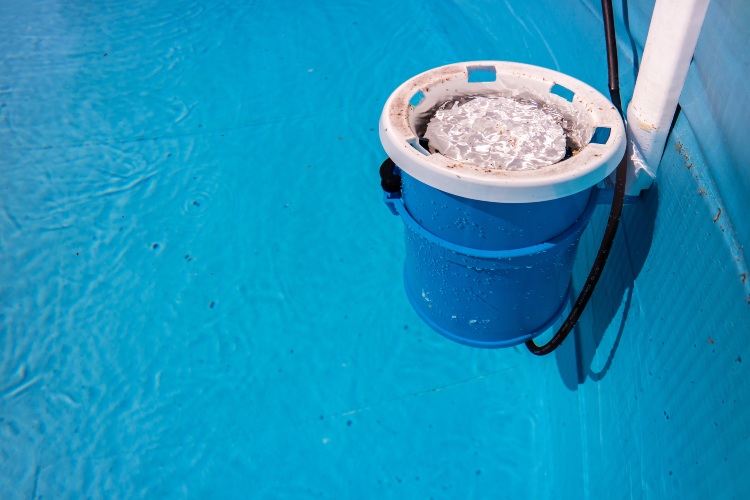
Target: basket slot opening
(416, 144)
(563, 92)
(417, 99)
(601, 135)
(482, 74)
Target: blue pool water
(200, 288)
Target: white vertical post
(672, 37)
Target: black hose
(617, 202)
(612, 65)
(596, 270)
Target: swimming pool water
(201, 289)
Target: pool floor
(200, 287)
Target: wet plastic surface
(489, 298)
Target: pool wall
(658, 358)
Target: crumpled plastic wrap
(506, 132)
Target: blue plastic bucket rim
(573, 231)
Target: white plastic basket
(407, 109)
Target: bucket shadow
(603, 322)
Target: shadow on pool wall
(600, 329)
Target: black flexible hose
(612, 65)
(596, 270)
(617, 202)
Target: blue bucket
(488, 274)
(489, 252)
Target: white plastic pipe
(670, 44)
